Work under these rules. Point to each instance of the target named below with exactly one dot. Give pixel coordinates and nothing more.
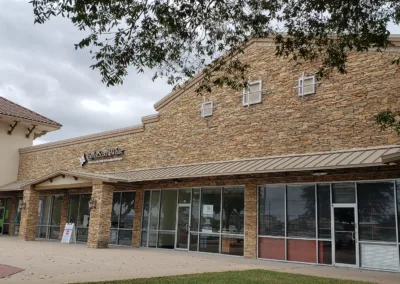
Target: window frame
(204, 109)
(301, 84)
(246, 93)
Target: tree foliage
(179, 38)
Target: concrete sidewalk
(52, 262)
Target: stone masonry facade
(338, 116)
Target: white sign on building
(69, 234)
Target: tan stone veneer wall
(29, 215)
(338, 116)
(99, 228)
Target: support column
(29, 215)
(100, 216)
(250, 221)
(64, 214)
(13, 209)
(137, 221)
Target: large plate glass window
(6, 205)
(122, 217)
(79, 214)
(17, 216)
(198, 219)
(49, 216)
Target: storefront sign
(69, 234)
(110, 155)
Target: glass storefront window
(17, 216)
(44, 210)
(166, 240)
(49, 216)
(194, 226)
(185, 195)
(79, 214)
(210, 221)
(301, 210)
(324, 211)
(168, 210)
(123, 212)
(209, 243)
(232, 245)
(233, 210)
(205, 203)
(344, 192)
(271, 219)
(154, 210)
(56, 210)
(127, 210)
(376, 211)
(84, 213)
(116, 209)
(146, 210)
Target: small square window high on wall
(253, 93)
(306, 85)
(206, 109)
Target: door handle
(352, 236)
(187, 227)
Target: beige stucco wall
(338, 116)
(9, 146)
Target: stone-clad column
(100, 216)
(137, 221)
(250, 211)
(64, 214)
(29, 215)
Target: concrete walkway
(52, 262)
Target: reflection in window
(84, 212)
(146, 210)
(184, 195)
(154, 210)
(79, 214)
(116, 208)
(376, 211)
(123, 212)
(168, 210)
(194, 226)
(209, 243)
(210, 210)
(272, 210)
(233, 210)
(344, 192)
(324, 211)
(232, 245)
(301, 210)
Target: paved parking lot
(52, 262)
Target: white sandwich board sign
(69, 234)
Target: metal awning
(355, 158)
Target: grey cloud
(40, 69)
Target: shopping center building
(290, 169)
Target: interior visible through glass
(345, 239)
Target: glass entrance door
(345, 228)
(183, 227)
(1, 219)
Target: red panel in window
(302, 250)
(271, 248)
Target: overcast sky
(41, 70)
